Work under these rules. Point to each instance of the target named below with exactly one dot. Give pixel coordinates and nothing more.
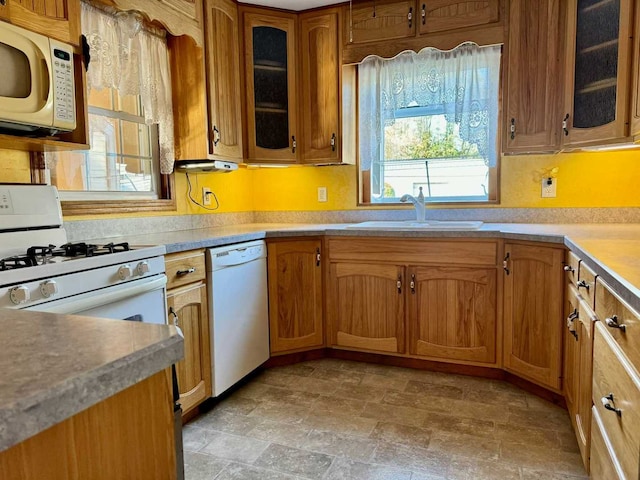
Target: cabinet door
(533, 282)
(295, 295)
(366, 306)
(320, 87)
(571, 381)
(187, 307)
(453, 313)
(635, 104)
(223, 79)
(532, 77)
(59, 19)
(597, 74)
(441, 15)
(374, 21)
(270, 53)
(585, 326)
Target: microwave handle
(46, 81)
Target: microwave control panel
(63, 90)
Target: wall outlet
(322, 194)
(206, 196)
(549, 185)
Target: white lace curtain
(462, 83)
(134, 62)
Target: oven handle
(109, 295)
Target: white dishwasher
(238, 311)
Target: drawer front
(623, 323)
(616, 385)
(571, 267)
(184, 268)
(404, 251)
(603, 465)
(587, 284)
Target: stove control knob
(125, 272)
(19, 295)
(48, 288)
(142, 268)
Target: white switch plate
(206, 196)
(549, 187)
(322, 194)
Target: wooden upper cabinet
(635, 105)
(453, 313)
(441, 15)
(295, 295)
(179, 17)
(597, 72)
(320, 87)
(379, 20)
(366, 306)
(271, 86)
(59, 19)
(532, 92)
(223, 79)
(533, 312)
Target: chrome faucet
(418, 203)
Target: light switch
(322, 194)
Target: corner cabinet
(271, 86)
(532, 92)
(533, 312)
(188, 309)
(295, 295)
(597, 76)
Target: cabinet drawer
(617, 386)
(571, 267)
(603, 463)
(184, 268)
(612, 311)
(587, 284)
(402, 251)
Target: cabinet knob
(181, 273)
(410, 16)
(505, 263)
(333, 142)
(608, 403)
(175, 316)
(399, 284)
(583, 284)
(317, 257)
(612, 322)
(412, 285)
(512, 129)
(424, 14)
(294, 144)
(216, 136)
(568, 268)
(3, 2)
(565, 125)
(571, 326)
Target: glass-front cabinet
(271, 87)
(597, 94)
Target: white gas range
(41, 271)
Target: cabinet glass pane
(270, 87)
(596, 67)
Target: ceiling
(296, 5)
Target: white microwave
(37, 92)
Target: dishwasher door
(238, 311)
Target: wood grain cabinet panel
(533, 312)
(320, 85)
(532, 92)
(59, 19)
(603, 464)
(571, 381)
(635, 101)
(453, 313)
(374, 21)
(367, 306)
(442, 15)
(295, 295)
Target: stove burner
(81, 249)
(20, 261)
(39, 255)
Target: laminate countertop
(611, 250)
(54, 366)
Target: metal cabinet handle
(410, 16)
(333, 142)
(571, 323)
(175, 316)
(317, 257)
(3, 2)
(565, 125)
(608, 403)
(612, 322)
(412, 285)
(568, 268)
(180, 273)
(216, 136)
(512, 129)
(583, 284)
(424, 14)
(399, 284)
(294, 144)
(505, 263)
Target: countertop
(611, 250)
(54, 366)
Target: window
(430, 120)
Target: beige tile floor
(337, 420)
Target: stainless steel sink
(413, 225)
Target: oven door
(142, 300)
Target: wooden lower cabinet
(367, 306)
(295, 295)
(187, 308)
(532, 312)
(452, 313)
